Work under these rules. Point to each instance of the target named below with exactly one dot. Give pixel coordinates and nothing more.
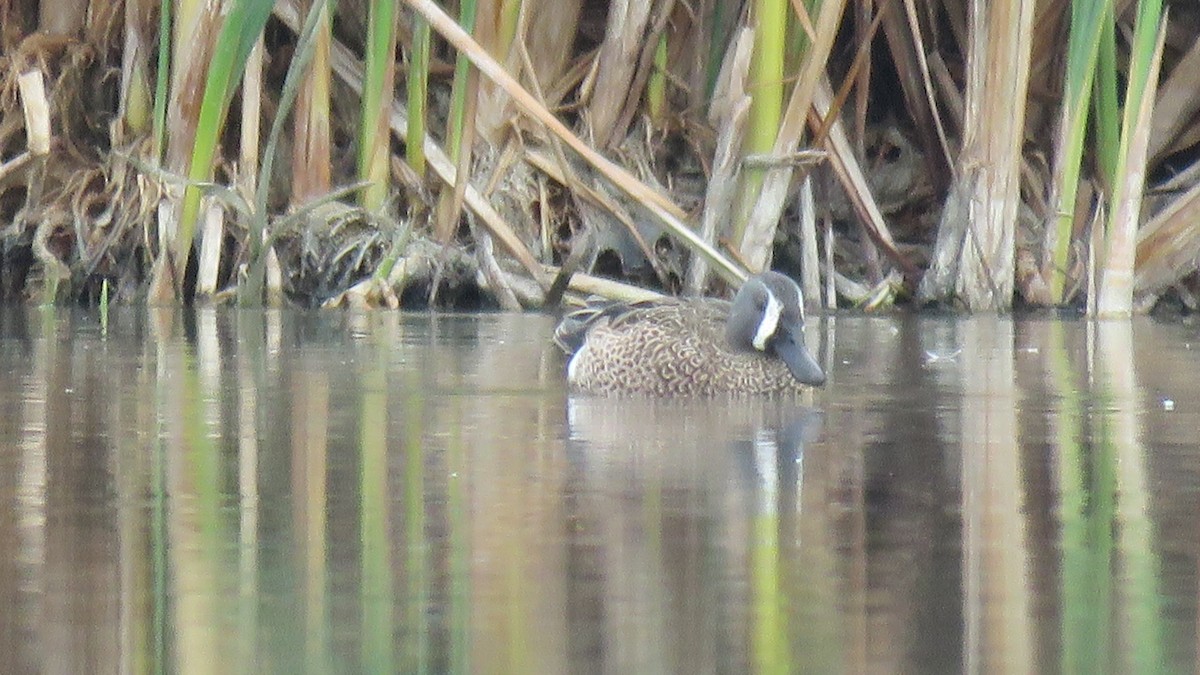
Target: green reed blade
(656, 88)
(162, 79)
(458, 90)
(1107, 108)
(1125, 201)
(418, 85)
(766, 94)
(375, 134)
(241, 28)
(1088, 22)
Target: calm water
(329, 492)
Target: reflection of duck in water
(753, 345)
(667, 501)
(689, 443)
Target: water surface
(330, 492)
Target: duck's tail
(572, 330)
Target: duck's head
(768, 317)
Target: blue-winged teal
(702, 347)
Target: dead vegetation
(882, 152)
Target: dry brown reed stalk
(135, 104)
(212, 231)
(1168, 246)
(859, 77)
(196, 26)
(311, 152)
(495, 25)
(617, 66)
(635, 90)
(1174, 125)
(974, 254)
(252, 88)
(720, 194)
(810, 268)
(36, 111)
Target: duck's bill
(799, 361)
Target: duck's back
(675, 348)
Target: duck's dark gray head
(768, 317)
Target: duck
(752, 345)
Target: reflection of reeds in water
(510, 474)
(196, 529)
(377, 590)
(1139, 598)
(459, 557)
(1111, 617)
(398, 496)
(1085, 507)
(995, 539)
(416, 490)
(310, 468)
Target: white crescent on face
(575, 361)
(769, 322)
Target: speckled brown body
(676, 348)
